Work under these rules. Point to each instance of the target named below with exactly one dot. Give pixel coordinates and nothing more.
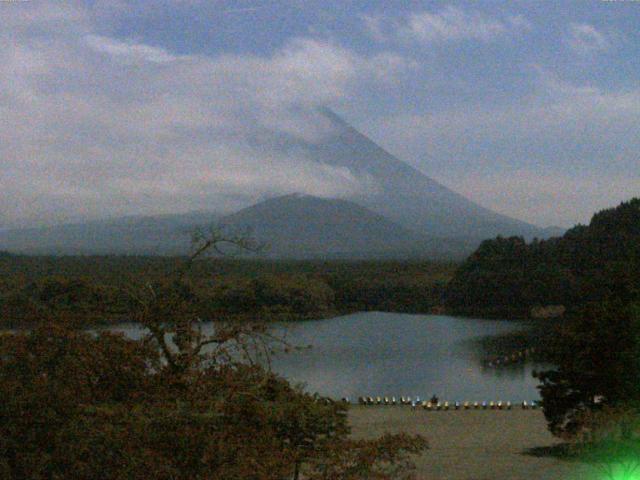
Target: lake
(378, 354)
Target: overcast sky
(109, 108)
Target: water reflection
(395, 354)
(392, 354)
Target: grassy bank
(475, 445)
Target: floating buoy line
(416, 403)
(516, 357)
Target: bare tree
(175, 323)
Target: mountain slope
(291, 226)
(144, 235)
(399, 212)
(307, 226)
(402, 193)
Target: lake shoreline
(119, 319)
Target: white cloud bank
(93, 126)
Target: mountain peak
(406, 195)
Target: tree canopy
(176, 404)
(506, 277)
(597, 354)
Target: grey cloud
(93, 126)
(555, 156)
(586, 40)
(547, 196)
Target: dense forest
(100, 289)
(509, 278)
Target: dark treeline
(509, 278)
(99, 289)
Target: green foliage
(102, 289)
(389, 286)
(598, 365)
(283, 296)
(506, 277)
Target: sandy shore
(473, 445)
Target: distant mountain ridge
(404, 213)
(132, 235)
(305, 226)
(290, 226)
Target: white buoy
(456, 405)
(524, 405)
(484, 405)
(476, 405)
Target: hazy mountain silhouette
(290, 226)
(143, 235)
(399, 212)
(305, 226)
(402, 193)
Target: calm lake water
(378, 354)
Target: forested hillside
(507, 277)
(99, 289)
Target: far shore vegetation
(99, 289)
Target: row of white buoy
(428, 405)
(510, 359)
(387, 400)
